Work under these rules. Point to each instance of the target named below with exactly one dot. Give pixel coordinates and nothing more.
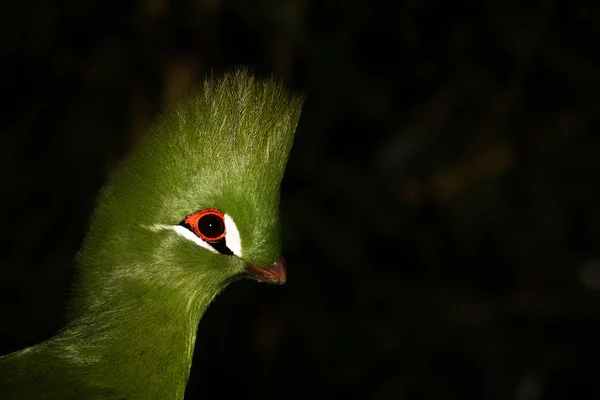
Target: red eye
(208, 224)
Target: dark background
(440, 208)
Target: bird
(194, 207)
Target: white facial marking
(232, 237)
(189, 235)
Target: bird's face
(214, 245)
(191, 233)
(198, 227)
(185, 241)
(220, 222)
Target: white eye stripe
(232, 237)
(189, 235)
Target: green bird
(193, 208)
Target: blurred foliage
(440, 209)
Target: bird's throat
(143, 348)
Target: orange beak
(274, 273)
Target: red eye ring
(211, 231)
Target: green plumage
(140, 289)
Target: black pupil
(211, 226)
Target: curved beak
(274, 273)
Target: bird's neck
(141, 347)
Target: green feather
(140, 289)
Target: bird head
(196, 205)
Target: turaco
(193, 208)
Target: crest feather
(243, 119)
